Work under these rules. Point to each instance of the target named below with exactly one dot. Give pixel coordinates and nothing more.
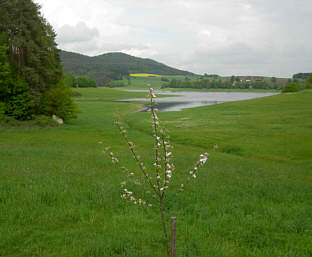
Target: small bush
(84, 81)
(7, 121)
(291, 87)
(19, 103)
(44, 121)
(116, 83)
(59, 101)
(308, 83)
(4, 119)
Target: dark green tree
(291, 87)
(32, 47)
(19, 102)
(308, 83)
(14, 96)
(58, 101)
(85, 81)
(33, 58)
(5, 71)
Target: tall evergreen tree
(32, 46)
(33, 59)
(13, 90)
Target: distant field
(60, 195)
(144, 75)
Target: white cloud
(77, 33)
(217, 36)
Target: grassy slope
(59, 195)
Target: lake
(182, 100)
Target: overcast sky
(226, 37)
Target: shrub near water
(308, 83)
(291, 87)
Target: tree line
(79, 81)
(207, 83)
(302, 75)
(31, 75)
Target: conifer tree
(32, 51)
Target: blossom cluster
(163, 156)
(159, 179)
(202, 160)
(114, 159)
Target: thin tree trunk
(164, 226)
(173, 236)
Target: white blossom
(203, 160)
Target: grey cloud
(241, 59)
(78, 33)
(217, 36)
(115, 47)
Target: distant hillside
(105, 67)
(301, 75)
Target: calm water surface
(183, 100)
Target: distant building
(244, 79)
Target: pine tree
(18, 103)
(32, 50)
(32, 45)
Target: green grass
(147, 82)
(59, 194)
(143, 83)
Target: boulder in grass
(57, 119)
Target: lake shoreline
(187, 99)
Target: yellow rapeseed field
(144, 75)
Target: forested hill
(105, 67)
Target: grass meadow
(145, 82)
(60, 195)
